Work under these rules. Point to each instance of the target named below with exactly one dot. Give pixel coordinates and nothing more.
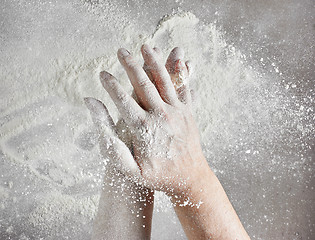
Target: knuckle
(160, 111)
(138, 120)
(145, 84)
(123, 98)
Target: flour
(57, 208)
(48, 140)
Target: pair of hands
(157, 145)
(157, 141)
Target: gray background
(280, 31)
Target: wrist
(122, 185)
(191, 187)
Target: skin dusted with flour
(133, 203)
(166, 147)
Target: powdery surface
(255, 132)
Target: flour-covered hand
(165, 145)
(165, 138)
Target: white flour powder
(48, 143)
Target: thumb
(120, 157)
(111, 147)
(100, 116)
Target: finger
(148, 72)
(125, 104)
(184, 94)
(111, 146)
(100, 115)
(181, 69)
(124, 133)
(160, 75)
(190, 67)
(158, 52)
(176, 54)
(146, 68)
(120, 157)
(180, 75)
(145, 90)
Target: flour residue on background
(52, 168)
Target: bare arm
(167, 148)
(125, 207)
(204, 209)
(125, 210)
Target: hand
(165, 148)
(165, 138)
(113, 140)
(114, 137)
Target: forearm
(164, 133)
(205, 211)
(125, 210)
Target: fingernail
(105, 75)
(146, 48)
(123, 52)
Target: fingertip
(91, 103)
(175, 49)
(105, 75)
(178, 53)
(150, 54)
(91, 100)
(87, 102)
(157, 50)
(146, 49)
(122, 53)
